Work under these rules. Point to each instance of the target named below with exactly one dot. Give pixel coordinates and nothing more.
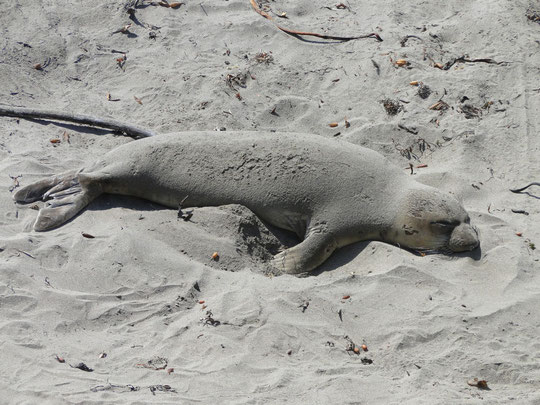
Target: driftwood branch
(29, 113)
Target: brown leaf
(333, 124)
(55, 140)
(402, 62)
(38, 66)
(175, 5)
(138, 100)
(482, 384)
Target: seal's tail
(66, 195)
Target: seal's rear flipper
(67, 197)
(37, 191)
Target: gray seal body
(329, 192)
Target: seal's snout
(464, 238)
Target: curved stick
(299, 34)
(30, 113)
(519, 190)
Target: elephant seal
(331, 193)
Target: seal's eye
(445, 224)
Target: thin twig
(295, 33)
(519, 190)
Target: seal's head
(430, 220)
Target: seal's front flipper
(318, 245)
(66, 198)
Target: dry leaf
(138, 100)
(402, 62)
(201, 301)
(356, 350)
(215, 256)
(414, 83)
(175, 5)
(439, 105)
(346, 297)
(482, 384)
(519, 234)
(333, 124)
(56, 140)
(38, 66)
(170, 370)
(438, 65)
(364, 348)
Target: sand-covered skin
(430, 323)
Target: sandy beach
(124, 304)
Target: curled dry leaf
(175, 5)
(438, 65)
(414, 83)
(482, 384)
(55, 140)
(215, 256)
(201, 301)
(402, 62)
(346, 297)
(333, 124)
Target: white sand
(430, 323)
